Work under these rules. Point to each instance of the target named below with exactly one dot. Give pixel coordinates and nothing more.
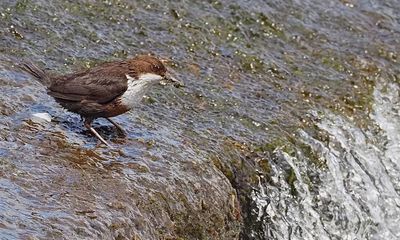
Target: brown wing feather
(101, 84)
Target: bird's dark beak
(170, 79)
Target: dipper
(104, 91)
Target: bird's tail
(36, 72)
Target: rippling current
(357, 194)
(288, 127)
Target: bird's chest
(135, 92)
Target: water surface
(288, 126)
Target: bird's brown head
(149, 64)
(145, 64)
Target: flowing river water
(288, 126)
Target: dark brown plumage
(106, 90)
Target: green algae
(291, 178)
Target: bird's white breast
(137, 88)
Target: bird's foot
(119, 128)
(87, 124)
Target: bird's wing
(101, 84)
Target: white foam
(41, 117)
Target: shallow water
(288, 126)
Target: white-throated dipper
(104, 91)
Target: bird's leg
(87, 123)
(117, 126)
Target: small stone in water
(41, 117)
